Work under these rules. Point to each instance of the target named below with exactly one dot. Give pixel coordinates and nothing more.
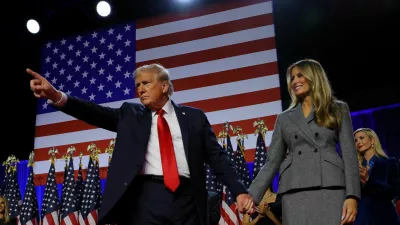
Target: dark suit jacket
(132, 122)
(376, 206)
(214, 204)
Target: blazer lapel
(145, 121)
(298, 118)
(181, 115)
(310, 117)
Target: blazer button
(295, 136)
(316, 150)
(299, 152)
(125, 184)
(316, 134)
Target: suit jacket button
(125, 184)
(316, 134)
(295, 136)
(316, 150)
(299, 152)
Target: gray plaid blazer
(306, 155)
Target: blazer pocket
(334, 159)
(285, 165)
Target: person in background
(379, 176)
(317, 185)
(4, 212)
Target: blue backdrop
(384, 120)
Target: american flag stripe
(51, 219)
(142, 23)
(212, 30)
(199, 47)
(222, 59)
(71, 219)
(214, 53)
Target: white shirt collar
(168, 108)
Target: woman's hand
(363, 174)
(349, 211)
(262, 208)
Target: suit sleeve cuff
(353, 197)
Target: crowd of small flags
(237, 158)
(80, 199)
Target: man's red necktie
(168, 161)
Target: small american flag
(29, 211)
(212, 183)
(50, 205)
(69, 214)
(92, 195)
(260, 156)
(241, 165)
(79, 189)
(64, 185)
(229, 215)
(12, 192)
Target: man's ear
(165, 87)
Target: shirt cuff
(60, 102)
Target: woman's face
(2, 205)
(299, 84)
(363, 142)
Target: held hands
(42, 88)
(262, 209)
(245, 203)
(349, 211)
(363, 174)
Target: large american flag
(222, 58)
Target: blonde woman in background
(4, 213)
(317, 185)
(379, 177)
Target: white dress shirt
(152, 164)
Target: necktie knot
(161, 112)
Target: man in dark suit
(157, 171)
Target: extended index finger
(34, 74)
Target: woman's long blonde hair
(327, 109)
(377, 147)
(6, 212)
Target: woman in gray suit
(318, 186)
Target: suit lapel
(145, 122)
(298, 118)
(181, 115)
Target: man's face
(151, 91)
